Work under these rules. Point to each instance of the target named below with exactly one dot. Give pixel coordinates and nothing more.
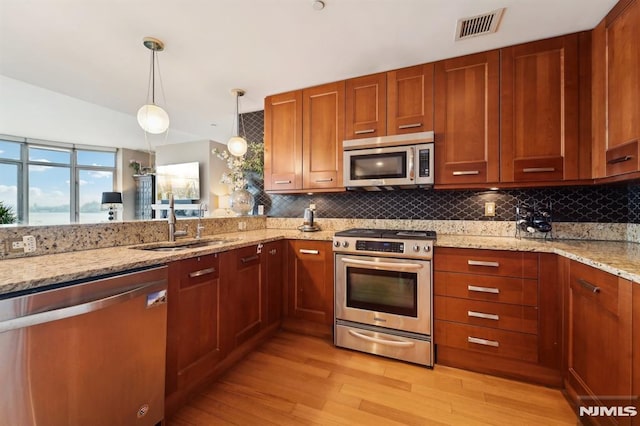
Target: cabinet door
(599, 336)
(540, 111)
(283, 141)
(410, 100)
(323, 129)
(274, 278)
(467, 119)
(366, 106)
(311, 281)
(246, 294)
(616, 91)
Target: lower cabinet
(599, 341)
(498, 312)
(195, 342)
(220, 307)
(310, 283)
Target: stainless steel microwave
(389, 162)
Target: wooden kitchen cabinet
(310, 282)
(498, 312)
(539, 112)
(273, 260)
(616, 92)
(195, 341)
(283, 141)
(467, 118)
(599, 333)
(303, 135)
(323, 133)
(366, 106)
(245, 294)
(410, 100)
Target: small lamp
(111, 201)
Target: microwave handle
(412, 161)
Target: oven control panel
(416, 249)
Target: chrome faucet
(201, 209)
(172, 221)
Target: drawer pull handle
(249, 258)
(307, 251)
(324, 180)
(538, 169)
(282, 182)
(483, 342)
(620, 159)
(410, 126)
(201, 272)
(466, 172)
(483, 289)
(364, 132)
(385, 342)
(273, 251)
(473, 314)
(482, 263)
(586, 284)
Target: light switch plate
(490, 209)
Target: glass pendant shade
(237, 146)
(153, 119)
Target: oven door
(385, 292)
(391, 166)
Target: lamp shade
(237, 146)
(111, 198)
(153, 119)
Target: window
(57, 183)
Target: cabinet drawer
(487, 314)
(198, 269)
(521, 291)
(598, 286)
(507, 344)
(487, 262)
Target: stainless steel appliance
(389, 162)
(383, 293)
(88, 353)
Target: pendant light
(151, 117)
(237, 145)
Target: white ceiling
(92, 49)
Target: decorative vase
(241, 202)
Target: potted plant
(6, 214)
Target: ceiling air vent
(486, 23)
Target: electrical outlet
(15, 245)
(242, 226)
(490, 209)
(312, 206)
(29, 243)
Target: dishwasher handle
(84, 308)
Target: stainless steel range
(383, 293)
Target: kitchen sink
(184, 245)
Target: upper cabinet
(410, 100)
(323, 133)
(283, 141)
(539, 112)
(366, 106)
(467, 119)
(391, 103)
(616, 91)
(303, 133)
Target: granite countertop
(618, 258)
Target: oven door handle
(385, 265)
(395, 343)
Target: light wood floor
(298, 380)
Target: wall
(600, 204)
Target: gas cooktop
(388, 233)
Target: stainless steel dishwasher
(86, 353)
